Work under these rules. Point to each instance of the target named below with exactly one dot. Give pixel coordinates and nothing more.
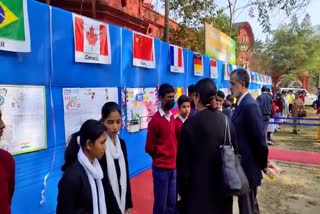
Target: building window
(149, 31)
(123, 3)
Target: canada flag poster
(143, 51)
(92, 40)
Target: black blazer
(111, 201)
(199, 164)
(74, 191)
(252, 146)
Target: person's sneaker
(269, 143)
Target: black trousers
(248, 204)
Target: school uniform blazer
(199, 164)
(248, 122)
(111, 201)
(74, 191)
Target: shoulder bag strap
(227, 135)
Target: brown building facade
(245, 45)
(137, 15)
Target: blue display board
(51, 64)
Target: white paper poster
(81, 104)
(91, 40)
(24, 114)
(213, 69)
(142, 103)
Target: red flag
(213, 69)
(143, 51)
(92, 40)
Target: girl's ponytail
(72, 150)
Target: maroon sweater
(179, 124)
(7, 181)
(162, 142)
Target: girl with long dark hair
(80, 188)
(114, 163)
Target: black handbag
(233, 179)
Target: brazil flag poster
(14, 26)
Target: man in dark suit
(252, 146)
(264, 100)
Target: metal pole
(166, 21)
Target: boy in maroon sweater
(184, 108)
(7, 176)
(161, 145)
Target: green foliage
(193, 36)
(262, 9)
(192, 14)
(261, 58)
(294, 48)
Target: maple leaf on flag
(91, 36)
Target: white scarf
(94, 172)
(114, 151)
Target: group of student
(96, 176)
(186, 164)
(184, 149)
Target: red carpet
(294, 156)
(142, 187)
(142, 193)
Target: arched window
(123, 3)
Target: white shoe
(269, 143)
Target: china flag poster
(143, 51)
(92, 40)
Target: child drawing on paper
(90, 92)
(72, 102)
(151, 108)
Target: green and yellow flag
(14, 26)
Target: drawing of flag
(92, 40)
(213, 69)
(143, 51)
(198, 67)
(14, 26)
(176, 59)
(227, 71)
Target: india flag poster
(14, 26)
